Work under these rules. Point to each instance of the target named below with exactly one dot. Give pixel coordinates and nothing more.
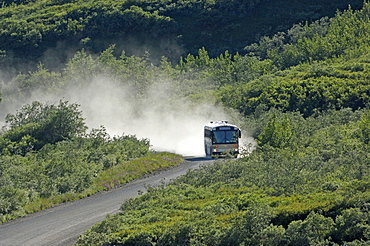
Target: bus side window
(207, 133)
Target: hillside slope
(307, 183)
(51, 30)
(303, 95)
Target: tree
(44, 124)
(364, 127)
(352, 224)
(277, 132)
(314, 230)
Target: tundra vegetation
(303, 94)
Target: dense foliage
(303, 94)
(311, 187)
(31, 29)
(45, 152)
(307, 183)
(36, 125)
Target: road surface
(61, 225)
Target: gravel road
(61, 225)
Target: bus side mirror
(240, 134)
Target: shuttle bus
(221, 138)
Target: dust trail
(170, 123)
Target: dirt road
(63, 224)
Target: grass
(109, 179)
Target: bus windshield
(225, 137)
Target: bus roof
(213, 125)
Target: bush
(36, 125)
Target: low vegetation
(47, 158)
(106, 179)
(307, 186)
(306, 183)
(302, 94)
(35, 29)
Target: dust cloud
(171, 123)
(165, 117)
